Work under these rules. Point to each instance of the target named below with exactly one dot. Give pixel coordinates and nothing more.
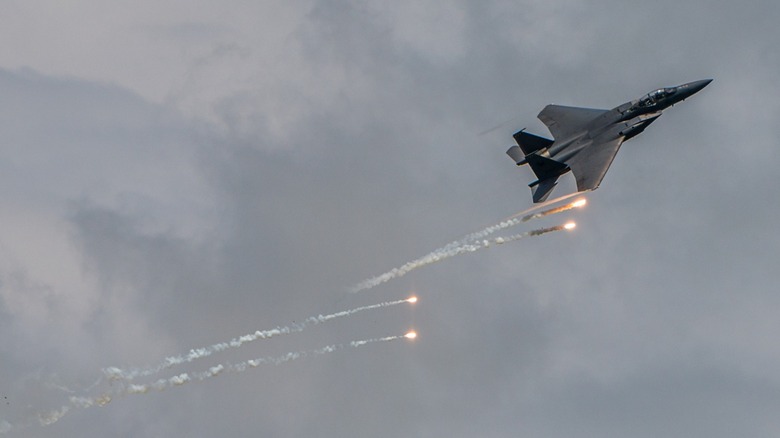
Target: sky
(175, 175)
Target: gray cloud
(276, 173)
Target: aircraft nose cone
(691, 88)
(696, 86)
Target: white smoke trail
(240, 367)
(539, 232)
(120, 390)
(116, 373)
(463, 245)
(576, 204)
(451, 250)
(544, 204)
(501, 240)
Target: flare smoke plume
(116, 373)
(120, 389)
(453, 249)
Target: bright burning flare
(411, 335)
(411, 300)
(569, 226)
(579, 203)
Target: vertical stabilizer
(530, 143)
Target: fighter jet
(586, 140)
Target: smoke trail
(576, 204)
(240, 367)
(451, 250)
(463, 245)
(457, 246)
(115, 373)
(539, 232)
(120, 390)
(501, 240)
(544, 204)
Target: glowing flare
(411, 300)
(579, 203)
(569, 226)
(411, 335)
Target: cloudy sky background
(175, 174)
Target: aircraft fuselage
(585, 140)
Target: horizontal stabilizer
(545, 168)
(530, 143)
(542, 190)
(516, 154)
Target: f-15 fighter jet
(586, 140)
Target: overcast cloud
(176, 174)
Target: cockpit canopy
(654, 96)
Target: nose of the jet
(692, 88)
(696, 86)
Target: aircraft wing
(563, 121)
(591, 164)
